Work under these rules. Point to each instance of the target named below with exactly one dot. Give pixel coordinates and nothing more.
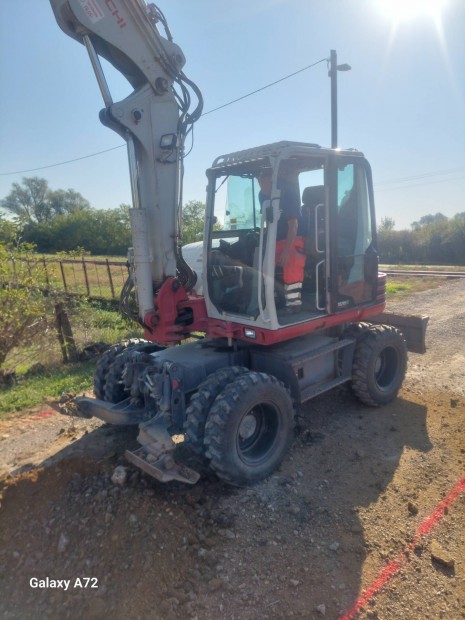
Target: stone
(120, 475)
(215, 584)
(63, 542)
(438, 554)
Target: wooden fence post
(65, 334)
(63, 275)
(111, 279)
(44, 263)
(85, 276)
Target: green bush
(23, 305)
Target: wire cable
(422, 184)
(194, 114)
(259, 90)
(421, 176)
(62, 163)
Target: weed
(38, 367)
(48, 384)
(394, 288)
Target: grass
(421, 267)
(41, 375)
(47, 384)
(398, 288)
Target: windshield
(236, 203)
(232, 272)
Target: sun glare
(404, 10)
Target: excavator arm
(154, 120)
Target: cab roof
(260, 156)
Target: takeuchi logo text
(111, 6)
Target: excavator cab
(335, 253)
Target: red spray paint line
(44, 414)
(395, 565)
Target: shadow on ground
(292, 546)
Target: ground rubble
(350, 501)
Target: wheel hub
(248, 426)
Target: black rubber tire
(356, 330)
(249, 429)
(379, 366)
(104, 366)
(201, 402)
(101, 370)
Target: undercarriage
(232, 408)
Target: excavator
(227, 359)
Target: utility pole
(333, 69)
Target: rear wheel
(200, 405)
(108, 383)
(103, 366)
(249, 429)
(380, 364)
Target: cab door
(354, 258)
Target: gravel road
(364, 504)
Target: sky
(402, 103)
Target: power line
(402, 187)
(69, 161)
(254, 92)
(259, 90)
(421, 176)
(62, 163)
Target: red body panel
(223, 329)
(177, 314)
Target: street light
(333, 69)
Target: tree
(34, 202)
(387, 224)
(193, 220)
(98, 231)
(63, 202)
(29, 200)
(428, 219)
(22, 304)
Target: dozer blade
(156, 457)
(165, 469)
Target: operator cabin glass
(239, 267)
(234, 242)
(357, 260)
(335, 219)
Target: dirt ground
(364, 494)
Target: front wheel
(380, 364)
(249, 429)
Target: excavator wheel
(109, 369)
(201, 402)
(249, 429)
(379, 366)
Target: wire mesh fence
(95, 279)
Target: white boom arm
(154, 120)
